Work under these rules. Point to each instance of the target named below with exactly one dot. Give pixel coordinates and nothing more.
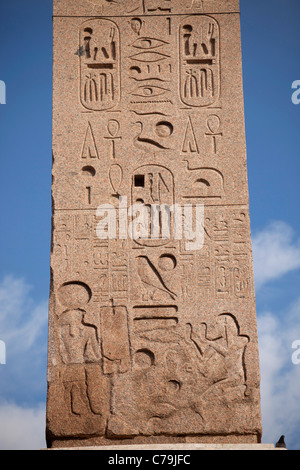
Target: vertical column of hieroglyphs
(151, 334)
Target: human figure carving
(78, 340)
(78, 346)
(228, 344)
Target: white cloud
(23, 329)
(22, 320)
(280, 378)
(275, 252)
(22, 428)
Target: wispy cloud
(280, 378)
(22, 428)
(23, 328)
(21, 319)
(276, 252)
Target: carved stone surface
(151, 339)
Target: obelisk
(152, 321)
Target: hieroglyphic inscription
(113, 128)
(150, 68)
(80, 253)
(153, 187)
(150, 338)
(116, 354)
(213, 132)
(199, 61)
(100, 64)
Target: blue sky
(271, 63)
